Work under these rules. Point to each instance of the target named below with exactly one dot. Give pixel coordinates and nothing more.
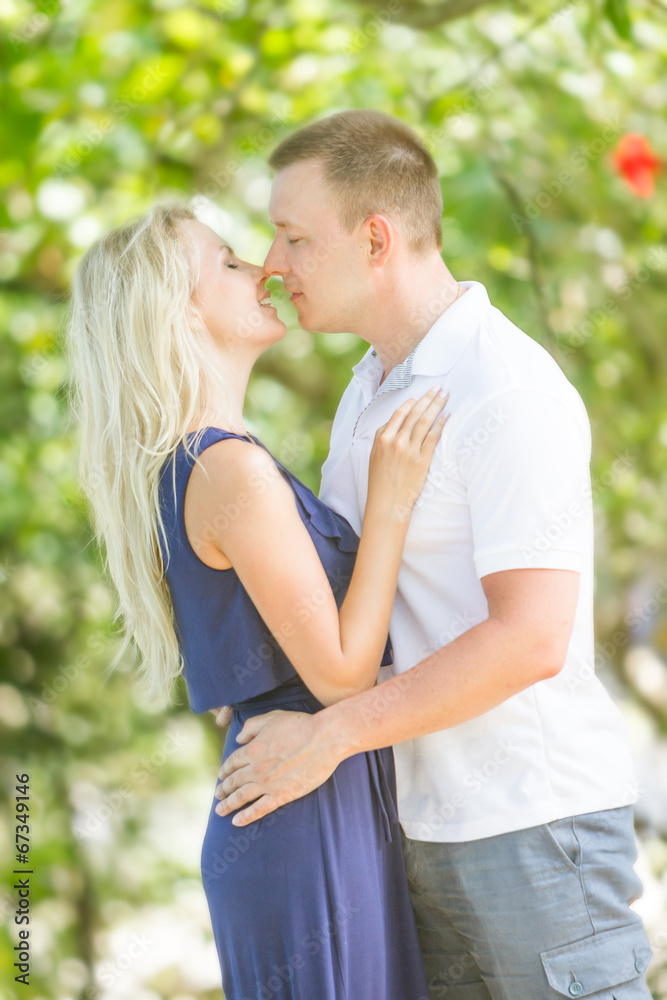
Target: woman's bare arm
(336, 654)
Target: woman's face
(230, 294)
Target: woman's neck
(227, 414)
(223, 421)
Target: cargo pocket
(608, 966)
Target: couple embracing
(420, 796)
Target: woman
(230, 569)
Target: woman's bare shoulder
(236, 468)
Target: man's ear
(380, 235)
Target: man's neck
(400, 321)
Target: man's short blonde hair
(374, 164)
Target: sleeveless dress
(310, 902)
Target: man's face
(324, 267)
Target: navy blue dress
(310, 902)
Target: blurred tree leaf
(618, 13)
(109, 107)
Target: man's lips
(295, 295)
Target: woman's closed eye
(229, 258)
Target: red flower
(637, 163)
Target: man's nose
(275, 262)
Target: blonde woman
(229, 569)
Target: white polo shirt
(509, 487)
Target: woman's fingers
(417, 411)
(419, 418)
(433, 436)
(406, 415)
(425, 421)
(403, 449)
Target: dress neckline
(255, 440)
(224, 430)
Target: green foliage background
(109, 106)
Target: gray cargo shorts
(535, 914)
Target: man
(514, 779)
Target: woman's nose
(256, 271)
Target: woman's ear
(380, 237)
(196, 320)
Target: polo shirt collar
(437, 351)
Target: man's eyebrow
(287, 225)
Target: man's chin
(304, 317)
(311, 323)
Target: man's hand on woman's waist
(284, 756)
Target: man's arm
(527, 486)
(524, 640)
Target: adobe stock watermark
(37, 362)
(579, 161)
(69, 673)
(563, 12)
(217, 181)
(452, 975)
(582, 332)
(561, 521)
(473, 782)
(460, 623)
(467, 442)
(372, 28)
(384, 696)
(303, 266)
(223, 7)
(461, 110)
(605, 652)
(119, 110)
(421, 318)
(311, 944)
(114, 801)
(36, 24)
(238, 845)
(258, 482)
(7, 567)
(658, 939)
(301, 612)
(110, 972)
(495, 418)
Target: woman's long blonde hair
(140, 365)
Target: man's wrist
(331, 733)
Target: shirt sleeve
(524, 457)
